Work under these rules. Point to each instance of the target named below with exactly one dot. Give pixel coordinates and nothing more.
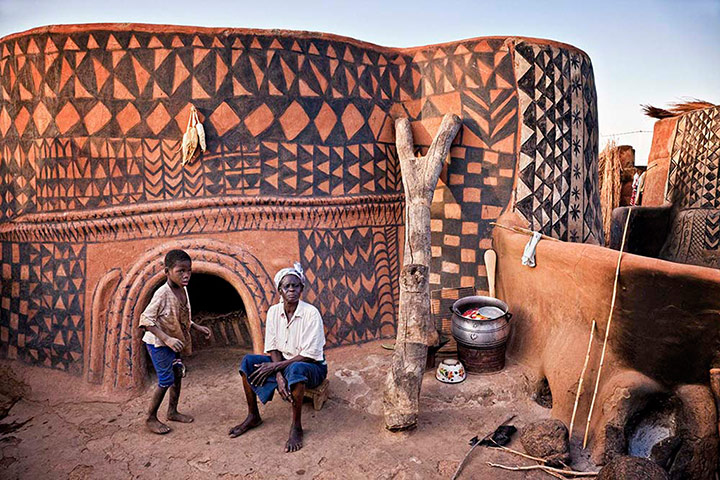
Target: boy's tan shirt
(169, 315)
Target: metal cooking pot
(477, 333)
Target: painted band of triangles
(557, 190)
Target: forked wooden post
(415, 328)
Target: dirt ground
(72, 432)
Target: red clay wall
(300, 166)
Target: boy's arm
(204, 330)
(171, 342)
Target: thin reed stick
(524, 231)
(524, 455)
(582, 377)
(607, 329)
(545, 468)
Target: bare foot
(250, 422)
(156, 426)
(179, 417)
(295, 441)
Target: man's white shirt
(302, 335)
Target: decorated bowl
(450, 371)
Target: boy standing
(167, 323)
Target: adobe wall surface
(659, 162)
(301, 165)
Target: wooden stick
(490, 266)
(607, 328)
(489, 435)
(545, 468)
(582, 377)
(524, 231)
(524, 455)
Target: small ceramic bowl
(450, 371)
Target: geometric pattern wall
(350, 280)
(92, 118)
(694, 237)
(694, 171)
(257, 93)
(475, 80)
(557, 189)
(41, 316)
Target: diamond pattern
(694, 171)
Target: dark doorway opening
(217, 305)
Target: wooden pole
(415, 327)
(582, 377)
(607, 328)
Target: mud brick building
(301, 165)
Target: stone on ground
(632, 468)
(547, 439)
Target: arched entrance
(217, 306)
(233, 264)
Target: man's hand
(261, 373)
(174, 343)
(204, 330)
(282, 388)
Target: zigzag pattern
(694, 238)
(712, 231)
(210, 217)
(348, 282)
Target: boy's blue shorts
(164, 359)
(312, 374)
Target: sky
(643, 52)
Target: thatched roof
(675, 109)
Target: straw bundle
(675, 109)
(610, 170)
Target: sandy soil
(75, 433)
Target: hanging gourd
(194, 135)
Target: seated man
(294, 341)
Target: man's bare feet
(156, 426)
(295, 441)
(179, 417)
(250, 422)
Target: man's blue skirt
(312, 374)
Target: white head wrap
(296, 270)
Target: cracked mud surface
(76, 433)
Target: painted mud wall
(685, 173)
(300, 165)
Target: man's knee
(296, 371)
(247, 365)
